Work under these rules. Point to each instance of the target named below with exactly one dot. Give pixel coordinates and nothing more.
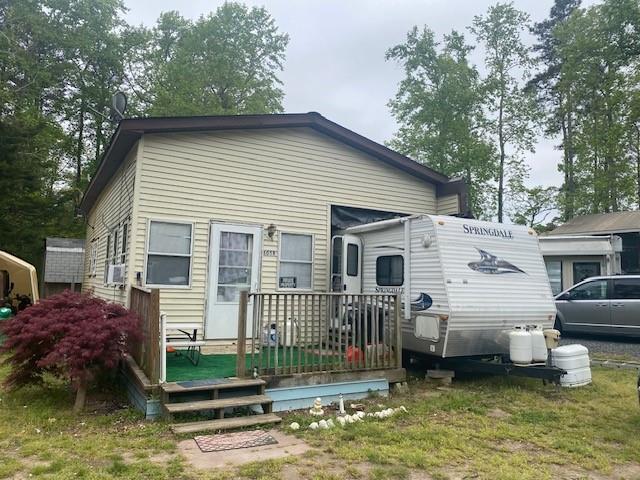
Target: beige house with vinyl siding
(202, 206)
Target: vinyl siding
(448, 205)
(113, 207)
(288, 177)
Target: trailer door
(351, 264)
(346, 264)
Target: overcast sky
(335, 59)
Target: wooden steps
(218, 404)
(226, 423)
(205, 397)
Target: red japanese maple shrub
(72, 336)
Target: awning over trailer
(343, 217)
(21, 274)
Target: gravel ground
(603, 346)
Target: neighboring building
(572, 258)
(201, 206)
(625, 225)
(63, 265)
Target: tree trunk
(81, 396)
(79, 151)
(502, 159)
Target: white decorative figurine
(341, 410)
(317, 410)
(294, 426)
(313, 426)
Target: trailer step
(226, 423)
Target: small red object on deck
(354, 354)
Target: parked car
(601, 305)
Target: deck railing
(146, 352)
(318, 332)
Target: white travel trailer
(465, 284)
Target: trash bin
(5, 314)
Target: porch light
(271, 231)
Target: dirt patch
(513, 446)
(629, 471)
(498, 414)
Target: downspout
(407, 269)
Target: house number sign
(270, 253)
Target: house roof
(131, 129)
(59, 242)
(618, 222)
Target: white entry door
(234, 265)
(351, 264)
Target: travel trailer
(465, 284)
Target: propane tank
(538, 345)
(520, 346)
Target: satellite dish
(118, 106)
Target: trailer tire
(558, 325)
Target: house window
(107, 258)
(93, 258)
(352, 259)
(169, 254)
(554, 272)
(123, 253)
(582, 270)
(390, 271)
(296, 261)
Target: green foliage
(533, 206)
(223, 63)
(439, 108)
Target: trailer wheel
(558, 325)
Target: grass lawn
(490, 428)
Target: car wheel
(639, 387)
(558, 325)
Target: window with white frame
(123, 253)
(295, 270)
(93, 257)
(169, 253)
(107, 258)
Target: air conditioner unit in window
(116, 274)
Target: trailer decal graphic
(423, 302)
(491, 264)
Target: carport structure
(17, 277)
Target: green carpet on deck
(179, 368)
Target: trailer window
(390, 271)
(352, 259)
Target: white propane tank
(538, 345)
(520, 348)
(575, 360)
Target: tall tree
(513, 110)
(224, 63)
(600, 50)
(438, 107)
(556, 97)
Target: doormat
(232, 441)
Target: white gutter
(407, 268)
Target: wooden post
(154, 335)
(241, 365)
(398, 333)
